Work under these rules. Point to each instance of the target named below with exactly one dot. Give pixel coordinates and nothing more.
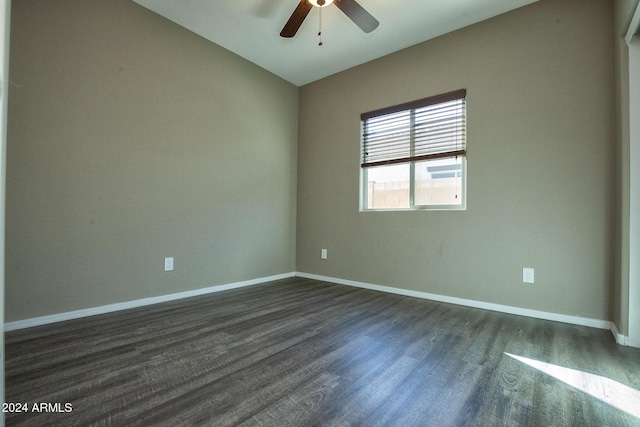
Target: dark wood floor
(302, 352)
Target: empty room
(339, 212)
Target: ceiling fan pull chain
(320, 26)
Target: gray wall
(131, 139)
(541, 158)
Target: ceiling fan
(351, 8)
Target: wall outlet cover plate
(168, 264)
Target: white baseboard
(564, 318)
(53, 318)
(620, 339)
(576, 320)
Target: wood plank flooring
(303, 352)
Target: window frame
(411, 107)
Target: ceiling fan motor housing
(320, 3)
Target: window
(414, 154)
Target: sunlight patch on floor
(605, 389)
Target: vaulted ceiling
(251, 29)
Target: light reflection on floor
(605, 389)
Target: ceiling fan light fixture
(351, 8)
(321, 3)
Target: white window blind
(425, 129)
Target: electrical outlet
(527, 275)
(168, 264)
(323, 254)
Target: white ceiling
(251, 29)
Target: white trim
(61, 317)
(633, 162)
(620, 339)
(634, 26)
(564, 318)
(5, 23)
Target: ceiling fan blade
(358, 15)
(297, 17)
